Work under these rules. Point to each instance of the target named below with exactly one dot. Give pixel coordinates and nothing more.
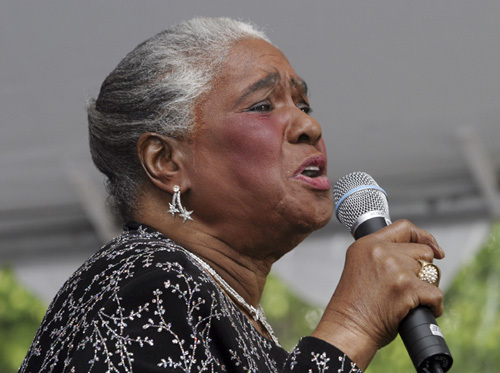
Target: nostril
(303, 130)
(308, 139)
(304, 138)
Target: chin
(317, 220)
(320, 223)
(307, 213)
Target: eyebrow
(271, 80)
(301, 84)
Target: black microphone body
(419, 331)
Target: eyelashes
(266, 106)
(305, 108)
(262, 107)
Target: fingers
(380, 284)
(429, 296)
(403, 231)
(379, 249)
(396, 250)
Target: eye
(305, 108)
(261, 107)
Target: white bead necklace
(257, 313)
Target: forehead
(248, 50)
(251, 60)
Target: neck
(242, 272)
(242, 257)
(255, 314)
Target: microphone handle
(419, 330)
(424, 341)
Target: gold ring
(429, 273)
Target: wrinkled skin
(378, 287)
(241, 172)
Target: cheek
(254, 146)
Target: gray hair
(155, 88)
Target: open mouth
(311, 171)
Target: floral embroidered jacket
(141, 304)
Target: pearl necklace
(257, 313)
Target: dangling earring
(176, 206)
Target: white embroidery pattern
(142, 295)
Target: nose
(303, 129)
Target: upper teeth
(311, 170)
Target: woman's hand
(378, 287)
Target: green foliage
(470, 323)
(20, 315)
(290, 317)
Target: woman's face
(258, 159)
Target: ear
(162, 158)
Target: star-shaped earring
(176, 206)
(172, 210)
(186, 215)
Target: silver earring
(176, 206)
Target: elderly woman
(205, 135)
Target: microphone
(361, 205)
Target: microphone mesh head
(358, 203)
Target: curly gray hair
(155, 88)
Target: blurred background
(407, 91)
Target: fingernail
(441, 251)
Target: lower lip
(320, 182)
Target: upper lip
(314, 161)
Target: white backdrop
(392, 83)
